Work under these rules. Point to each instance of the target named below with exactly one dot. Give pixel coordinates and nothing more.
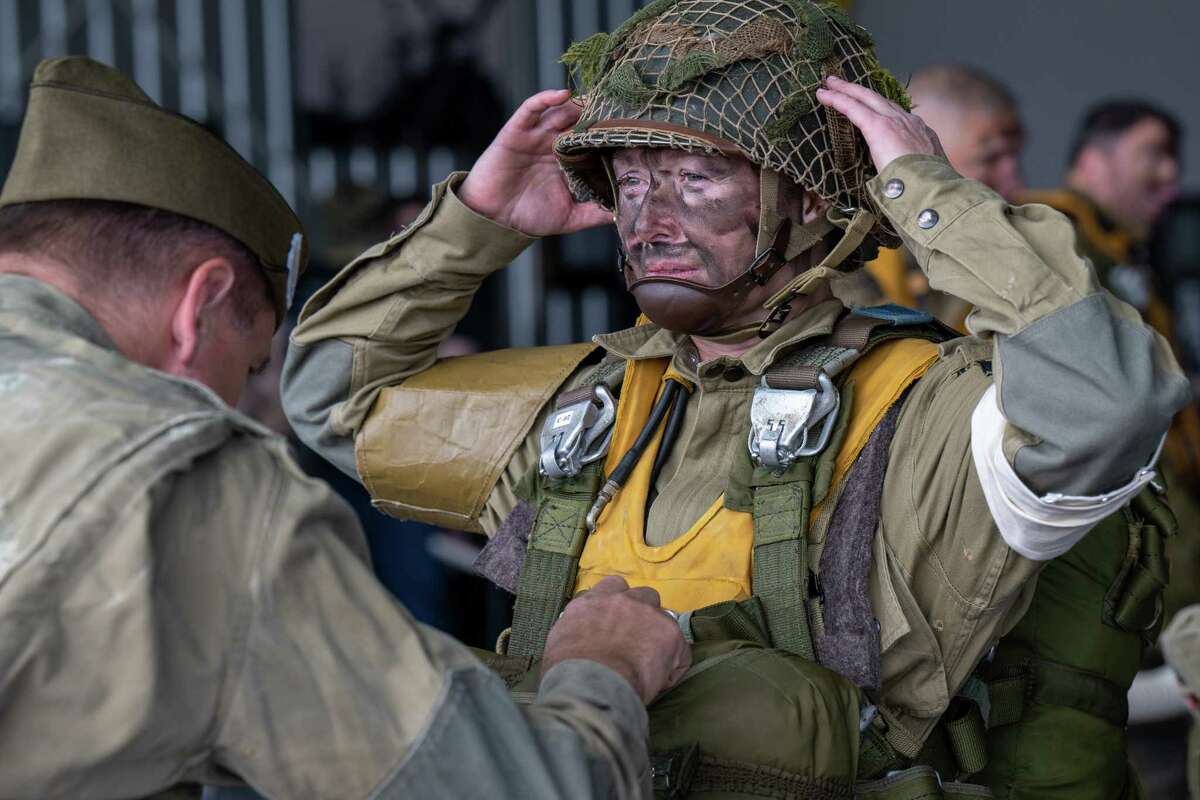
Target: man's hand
(890, 131)
(516, 181)
(623, 629)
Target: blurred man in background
(179, 601)
(1123, 172)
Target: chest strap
(552, 558)
(794, 449)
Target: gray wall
(1059, 56)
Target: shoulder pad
(433, 447)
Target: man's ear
(205, 291)
(799, 204)
(814, 206)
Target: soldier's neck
(735, 347)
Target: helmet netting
(734, 72)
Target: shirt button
(927, 219)
(734, 374)
(893, 189)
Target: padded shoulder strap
(433, 447)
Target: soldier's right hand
(623, 629)
(516, 181)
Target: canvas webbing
(782, 502)
(1134, 601)
(1049, 683)
(780, 567)
(552, 559)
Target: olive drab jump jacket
(1012, 444)
(179, 602)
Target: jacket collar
(29, 298)
(651, 341)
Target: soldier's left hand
(890, 131)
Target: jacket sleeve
(1082, 390)
(381, 319)
(332, 690)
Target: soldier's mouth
(673, 269)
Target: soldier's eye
(694, 177)
(629, 183)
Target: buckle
(577, 434)
(783, 421)
(758, 271)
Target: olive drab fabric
(90, 133)
(1058, 681)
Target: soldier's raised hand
(889, 130)
(516, 181)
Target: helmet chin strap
(856, 228)
(780, 241)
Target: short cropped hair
(1104, 122)
(961, 86)
(129, 252)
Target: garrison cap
(1181, 646)
(90, 133)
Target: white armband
(1039, 528)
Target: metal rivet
(893, 189)
(927, 219)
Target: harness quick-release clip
(577, 432)
(788, 424)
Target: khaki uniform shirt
(1074, 389)
(178, 601)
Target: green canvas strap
(1034, 680)
(782, 500)
(779, 571)
(917, 783)
(1134, 602)
(552, 559)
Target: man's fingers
(560, 118)
(868, 97)
(587, 215)
(857, 112)
(645, 594)
(530, 112)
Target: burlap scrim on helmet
(727, 76)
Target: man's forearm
(382, 318)
(584, 736)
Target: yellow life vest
(711, 561)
